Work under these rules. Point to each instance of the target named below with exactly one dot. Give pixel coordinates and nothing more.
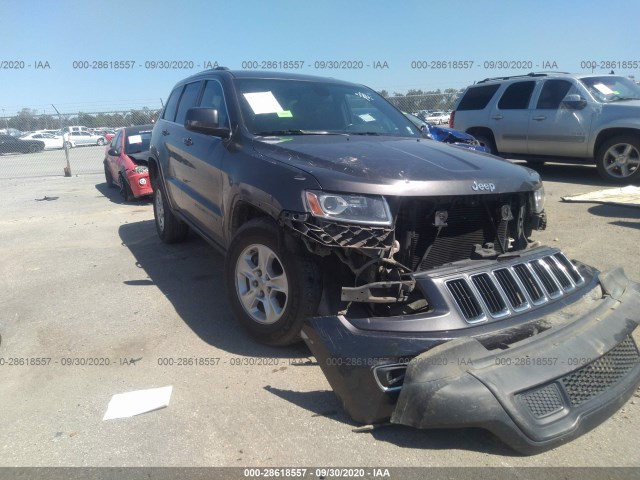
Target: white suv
(541, 116)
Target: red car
(125, 162)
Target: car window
(117, 141)
(517, 96)
(552, 94)
(136, 142)
(477, 98)
(172, 105)
(187, 100)
(213, 97)
(269, 106)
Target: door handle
(497, 117)
(539, 118)
(187, 141)
(165, 132)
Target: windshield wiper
(365, 133)
(296, 132)
(617, 99)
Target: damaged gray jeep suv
(406, 265)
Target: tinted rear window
(517, 96)
(477, 98)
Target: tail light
(451, 117)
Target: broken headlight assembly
(537, 200)
(350, 208)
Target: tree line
(27, 120)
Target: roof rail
(527, 75)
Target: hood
(396, 166)
(140, 156)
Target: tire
(618, 159)
(34, 148)
(170, 229)
(107, 175)
(100, 141)
(487, 141)
(271, 289)
(125, 189)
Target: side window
(172, 105)
(552, 94)
(477, 98)
(187, 100)
(517, 96)
(117, 141)
(213, 97)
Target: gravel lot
(84, 276)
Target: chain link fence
(20, 162)
(432, 107)
(19, 159)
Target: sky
(64, 52)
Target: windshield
(299, 107)
(611, 89)
(137, 142)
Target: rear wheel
(271, 289)
(34, 148)
(101, 141)
(169, 227)
(107, 175)
(618, 159)
(487, 141)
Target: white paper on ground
(123, 405)
(629, 196)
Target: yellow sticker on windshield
(285, 114)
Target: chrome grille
(466, 300)
(514, 288)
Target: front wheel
(125, 189)
(169, 227)
(487, 141)
(618, 159)
(271, 289)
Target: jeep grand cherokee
(406, 265)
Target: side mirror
(205, 120)
(113, 152)
(574, 102)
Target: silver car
(82, 138)
(546, 116)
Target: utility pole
(67, 169)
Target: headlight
(538, 200)
(349, 207)
(141, 169)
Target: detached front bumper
(533, 390)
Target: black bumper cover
(536, 394)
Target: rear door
(509, 118)
(554, 128)
(112, 160)
(178, 173)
